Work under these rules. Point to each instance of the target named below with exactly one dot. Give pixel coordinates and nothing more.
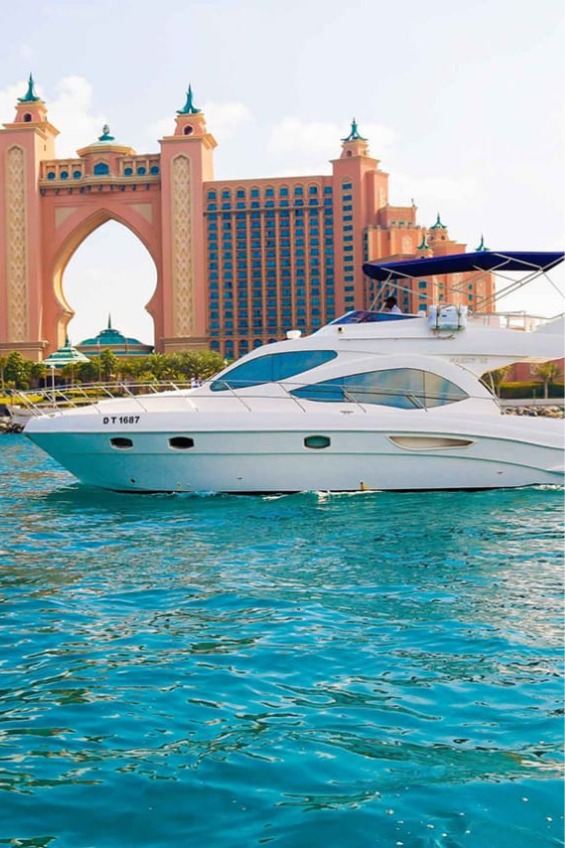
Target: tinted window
(404, 388)
(271, 368)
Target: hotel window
(283, 191)
(298, 190)
(346, 186)
(328, 201)
(348, 208)
(269, 192)
(254, 192)
(348, 217)
(327, 189)
(312, 189)
(211, 195)
(240, 193)
(255, 204)
(226, 192)
(347, 197)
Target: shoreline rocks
(535, 411)
(9, 426)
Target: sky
(463, 103)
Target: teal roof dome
(116, 341)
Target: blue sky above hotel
(462, 103)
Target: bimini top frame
(531, 264)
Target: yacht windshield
(271, 368)
(366, 316)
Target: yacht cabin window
(404, 388)
(271, 368)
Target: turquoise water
(342, 671)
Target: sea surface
(340, 671)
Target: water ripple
(308, 670)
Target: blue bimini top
(508, 260)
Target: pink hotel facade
(238, 262)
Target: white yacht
(371, 401)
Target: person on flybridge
(391, 305)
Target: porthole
(181, 442)
(121, 442)
(317, 442)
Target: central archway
(74, 229)
(112, 273)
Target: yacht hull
(288, 456)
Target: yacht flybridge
(371, 401)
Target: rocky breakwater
(7, 423)
(536, 411)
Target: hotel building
(239, 262)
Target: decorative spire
(189, 107)
(354, 134)
(30, 96)
(482, 247)
(109, 321)
(422, 245)
(438, 225)
(106, 134)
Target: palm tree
(548, 372)
(496, 378)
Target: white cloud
(306, 145)
(71, 113)
(431, 192)
(222, 120)
(225, 119)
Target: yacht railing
(41, 401)
(25, 404)
(507, 320)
